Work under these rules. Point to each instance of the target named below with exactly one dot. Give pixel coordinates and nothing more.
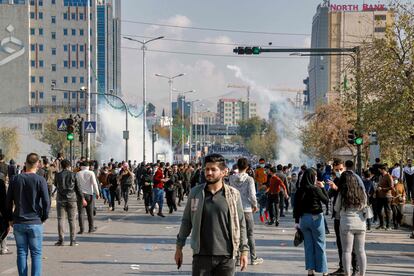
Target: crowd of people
(220, 204)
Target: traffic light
(358, 139)
(247, 50)
(81, 133)
(69, 129)
(351, 136)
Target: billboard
(14, 58)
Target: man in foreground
(29, 194)
(214, 214)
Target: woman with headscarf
(309, 213)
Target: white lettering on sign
(5, 46)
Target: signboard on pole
(62, 124)
(89, 127)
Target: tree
(326, 132)
(250, 127)
(9, 142)
(387, 82)
(50, 135)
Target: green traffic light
(256, 50)
(359, 141)
(70, 137)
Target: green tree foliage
(50, 135)
(9, 142)
(387, 78)
(259, 137)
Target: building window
(32, 15)
(73, 79)
(81, 32)
(40, 3)
(81, 64)
(73, 48)
(33, 63)
(81, 16)
(65, 32)
(73, 16)
(73, 109)
(81, 80)
(41, 94)
(32, 47)
(53, 35)
(53, 2)
(41, 63)
(53, 67)
(73, 63)
(65, 79)
(33, 95)
(81, 48)
(380, 17)
(73, 95)
(32, 2)
(40, 15)
(53, 99)
(32, 79)
(379, 29)
(41, 47)
(65, 48)
(41, 79)
(65, 95)
(53, 51)
(65, 64)
(36, 126)
(53, 19)
(73, 32)
(65, 16)
(81, 94)
(32, 31)
(40, 31)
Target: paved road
(134, 243)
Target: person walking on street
(276, 186)
(350, 204)
(398, 201)
(308, 211)
(68, 191)
(29, 195)
(4, 223)
(409, 179)
(126, 179)
(113, 188)
(260, 175)
(89, 186)
(282, 194)
(384, 197)
(214, 215)
(245, 185)
(147, 187)
(171, 189)
(4, 168)
(158, 190)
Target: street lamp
(144, 92)
(191, 128)
(182, 93)
(170, 82)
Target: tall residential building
(340, 26)
(180, 105)
(46, 42)
(230, 111)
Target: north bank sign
(356, 8)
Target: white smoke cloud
(113, 144)
(288, 118)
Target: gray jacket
(245, 185)
(193, 213)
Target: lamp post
(191, 128)
(170, 82)
(144, 92)
(182, 93)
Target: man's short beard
(209, 182)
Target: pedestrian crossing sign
(61, 125)
(90, 127)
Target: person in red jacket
(275, 186)
(158, 190)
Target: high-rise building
(181, 104)
(46, 42)
(230, 111)
(340, 26)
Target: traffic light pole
(323, 51)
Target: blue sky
(210, 75)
